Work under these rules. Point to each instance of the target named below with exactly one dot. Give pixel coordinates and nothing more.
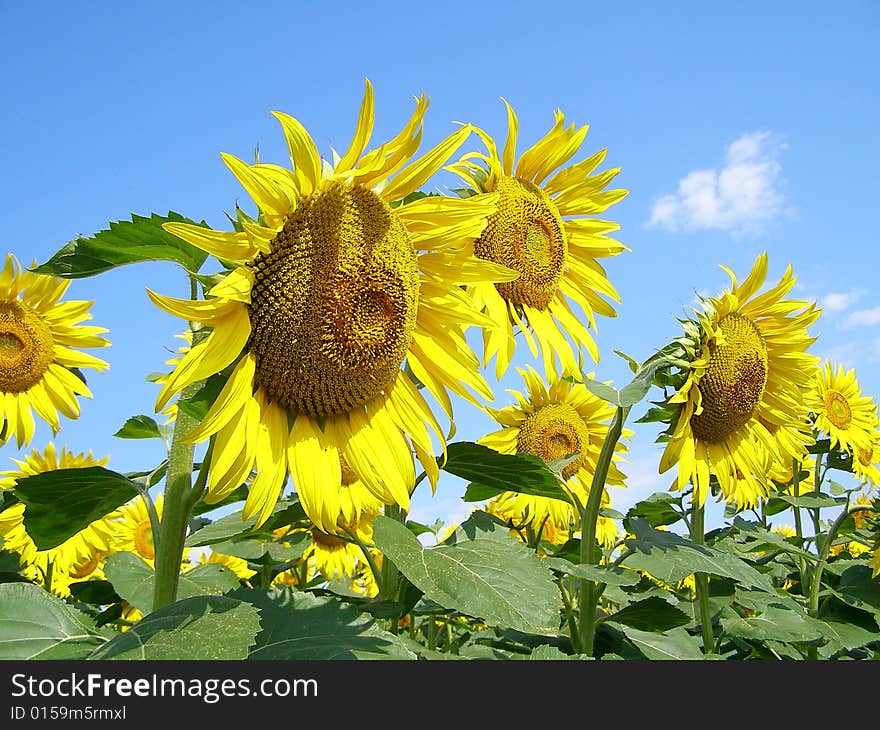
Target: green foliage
(35, 624)
(491, 576)
(200, 627)
(492, 473)
(301, 626)
(142, 427)
(60, 503)
(134, 580)
(125, 242)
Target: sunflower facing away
(38, 334)
(545, 230)
(743, 387)
(553, 422)
(334, 290)
(75, 559)
(841, 411)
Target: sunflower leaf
(650, 614)
(142, 427)
(198, 627)
(60, 503)
(34, 624)
(492, 473)
(125, 242)
(492, 576)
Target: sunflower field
(324, 339)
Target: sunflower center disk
(26, 347)
(865, 456)
(85, 567)
(554, 432)
(837, 409)
(333, 306)
(525, 234)
(734, 381)
(143, 540)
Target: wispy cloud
(739, 197)
(863, 317)
(840, 301)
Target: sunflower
(866, 461)
(38, 362)
(334, 293)
(744, 379)
(133, 530)
(239, 566)
(840, 410)
(553, 421)
(79, 557)
(545, 230)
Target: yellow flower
(238, 566)
(865, 462)
(745, 379)
(545, 230)
(553, 422)
(841, 411)
(333, 291)
(133, 531)
(79, 557)
(38, 334)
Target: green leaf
(670, 558)
(297, 625)
(492, 576)
(198, 404)
(598, 573)
(97, 592)
(142, 427)
(650, 614)
(813, 500)
(859, 589)
(133, 579)
(125, 242)
(225, 528)
(200, 627)
(288, 549)
(60, 503)
(601, 390)
(774, 624)
(34, 624)
(766, 538)
(673, 644)
(494, 473)
(656, 509)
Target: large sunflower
(552, 421)
(334, 290)
(840, 410)
(545, 230)
(743, 384)
(38, 334)
(77, 558)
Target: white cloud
(740, 197)
(863, 317)
(840, 301)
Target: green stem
(390, 576)
(698, 536)
(824, 551)
(151, 512)
(569, 611)
(368, 556)
(176, 508)
(589, 517)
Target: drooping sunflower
(79, 557)
(866, 461)
(38, 362)
(334, 294)
(840, 410)
(745, 378)
(552, 421)
(544, 229)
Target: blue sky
(739, 128)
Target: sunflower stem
(176, 509)
(589, 596)
(368, 556)
(798, 524)
(701, 580)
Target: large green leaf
(493, 473)
(142, 427)
(859, 589)
(492, 576)
(133, 579)
(650, 614)
(670, 558)
(774, 624)
(599, 573)
(125, 242)
(34, 624)
(226, 528)
(60, 503)
(297, 625)
(656, 509)
(200, 627)
(673, 644)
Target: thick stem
(176, 509)
(701, 580)
(824, 552)
(589, 517)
